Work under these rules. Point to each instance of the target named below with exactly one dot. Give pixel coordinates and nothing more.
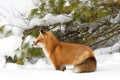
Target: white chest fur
(44, 50)
(46, 53)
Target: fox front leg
(60, 68)
(63, 68)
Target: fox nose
(33, 43)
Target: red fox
(62, 53)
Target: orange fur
(62, 54)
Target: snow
(22, 6)
(50, 19)
(29, 39)
(67, 3)
(116, 19)
(14, 14)
(17, 16)
(2, 62)
(105, 71)
(9, 44)
(116, 57)
(108, 65)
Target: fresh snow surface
(107, 70)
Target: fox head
(41, 39)
(45, 39)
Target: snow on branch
(50, 19)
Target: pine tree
(91, 24)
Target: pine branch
(106, 39)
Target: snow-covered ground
(107, 69)
(108, 65)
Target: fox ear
(41, 32)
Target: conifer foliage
(93, 23)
